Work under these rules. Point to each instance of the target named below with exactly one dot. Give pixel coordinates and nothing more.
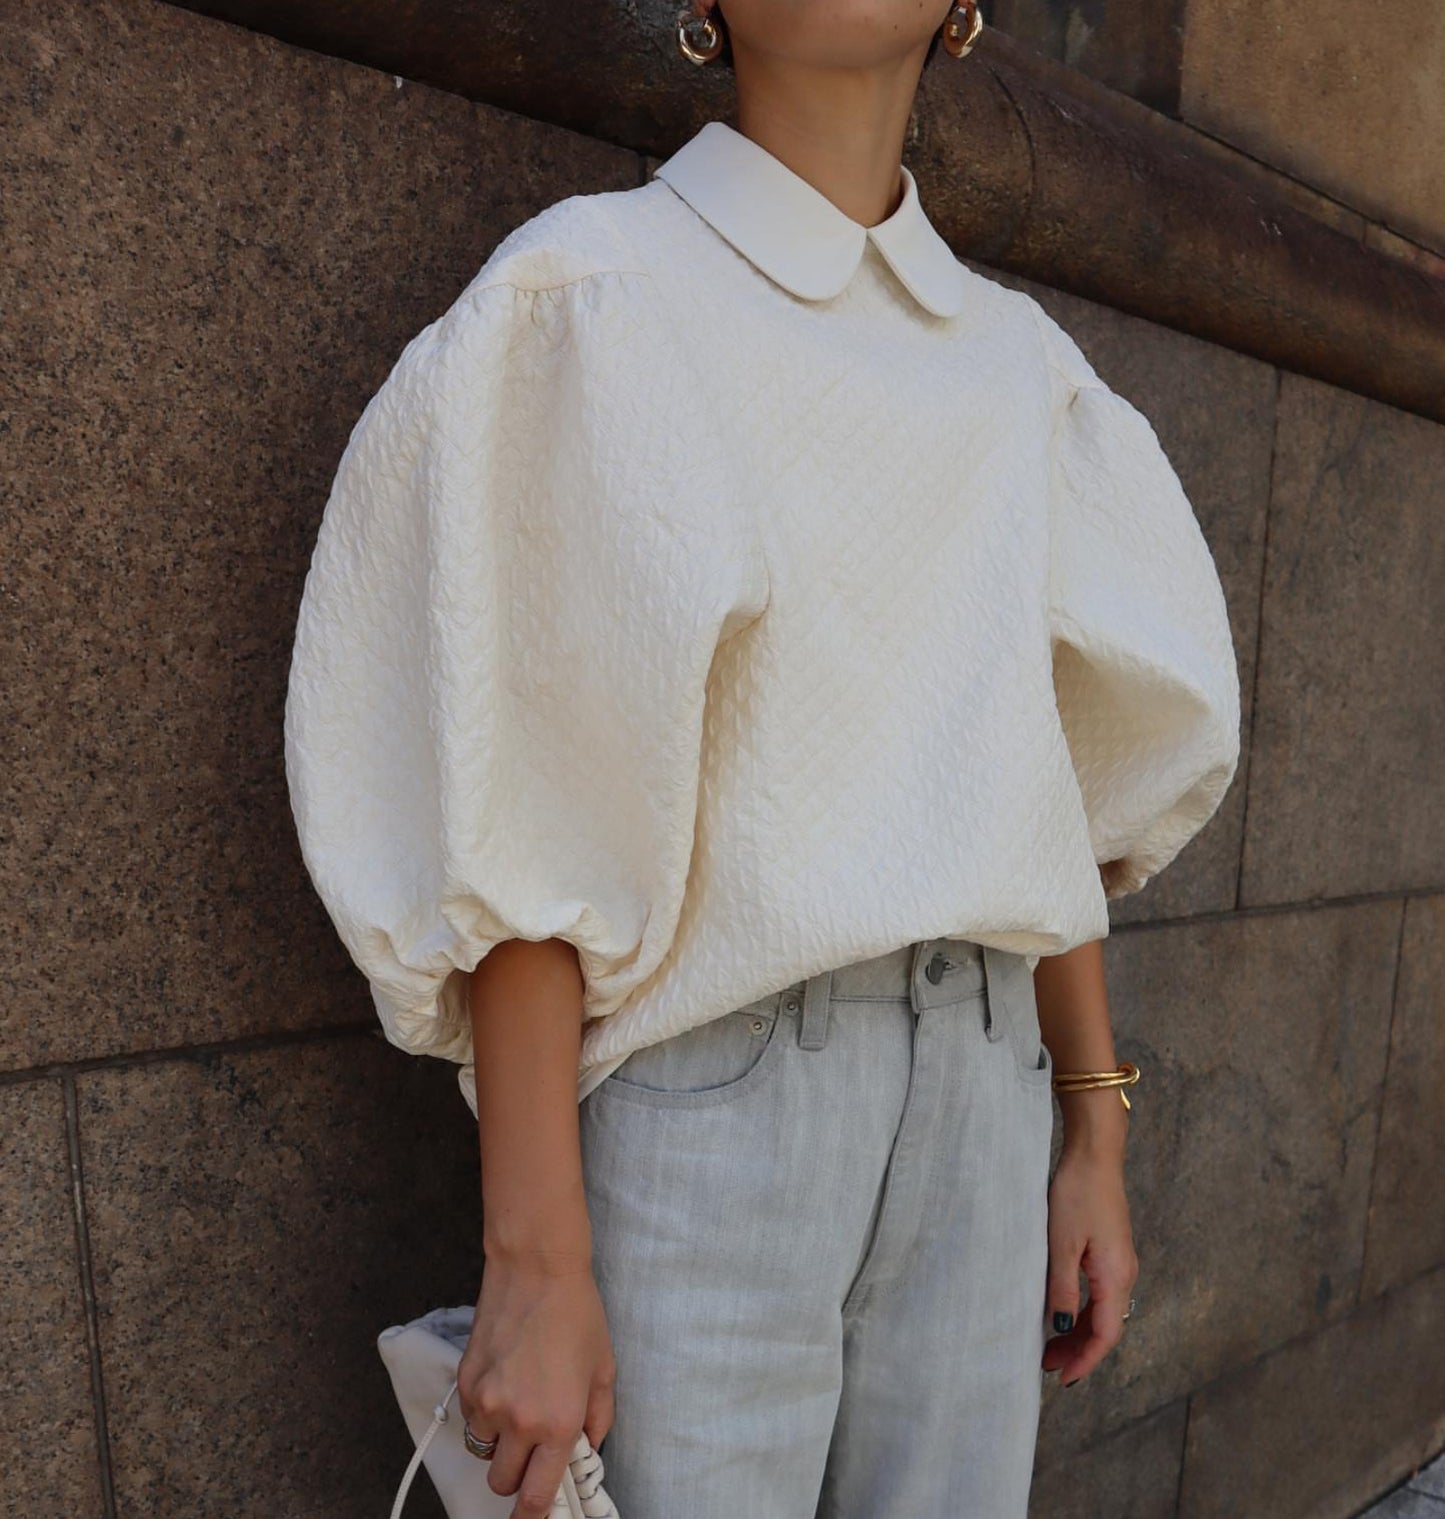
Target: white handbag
(422, 1358)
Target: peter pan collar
(792, 232)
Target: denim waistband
(930, 971)
(925, 974)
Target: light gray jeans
(820, 1236)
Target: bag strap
(439, 1418)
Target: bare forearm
(1074, 1021)
(526, 1014)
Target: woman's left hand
(1089, 1231)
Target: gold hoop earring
(699, 39)
(960, 31)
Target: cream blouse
(737, 591)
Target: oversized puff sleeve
(1144, 665)
(495, 701)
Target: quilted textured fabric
(736, 592)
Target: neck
(842, 130)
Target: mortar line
(87, 1289)
(1380, 1106)
(1258, 644)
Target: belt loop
(915, 969)
(995, 974)
(813, 1026)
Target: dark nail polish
(1063, 1322)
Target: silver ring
(1130, 1308)
(484, 1449)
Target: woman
(745, 649)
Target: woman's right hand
(538, 1371)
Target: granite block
(1348, 757)
(1355, 110)
(216, 247)
(49, 1452)
(1407, 1201)
(1130, 45)
(1327, 1422)
(257, 1218)
(1261, 1041)
(1130, 1474)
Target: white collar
(792, 232)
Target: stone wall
(219, 1182)
(1345, 102)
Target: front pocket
(1041, 1073)
(714, 1062)
(1016, 1004)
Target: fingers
(529, 1467)
(1103, 1330)
(1099, 1325)
(601, 1411)
(505, 1469)
(536, 1438)
(541, 1480)
(1062, 1297)
(533, 1451)
(1064, 1293)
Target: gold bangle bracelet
(1086, 1081)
